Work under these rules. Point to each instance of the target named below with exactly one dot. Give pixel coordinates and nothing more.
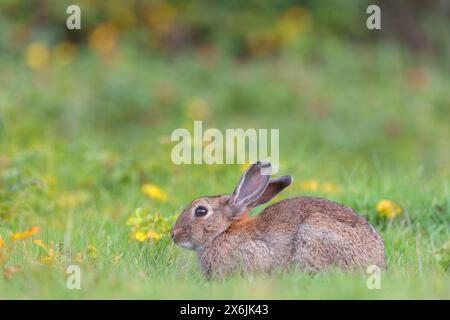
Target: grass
(78, 142)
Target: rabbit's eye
(201, 211)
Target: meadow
(86, 176)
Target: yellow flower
(24, 235)
(153, 235)
(47, 259)
(2, 243)
(310, 185)
(388, 209)
(146, 226)
(117, 259)
(40, 243)
(292, 24)
(154, 192)
(51, 253)
(197, 109)
(65, 52)
(79, 257)
(328, 187)
(50, 258)
(139, 236)
(92, 252)
(50, 180)
(103, 39)
(161, 19)
(284, 32)
(142, 236)
(37, 55)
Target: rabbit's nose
(174, 232)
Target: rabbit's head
(207, 217)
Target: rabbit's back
(298, 209)
(323, 234)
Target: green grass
(355, 117)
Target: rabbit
(311, 233)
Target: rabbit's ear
(274, 187)
(250, 187)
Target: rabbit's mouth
(186, 245)
(179, 237)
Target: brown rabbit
(312, 233)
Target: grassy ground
(79, 142)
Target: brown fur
(312, 233)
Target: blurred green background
(86, 117)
